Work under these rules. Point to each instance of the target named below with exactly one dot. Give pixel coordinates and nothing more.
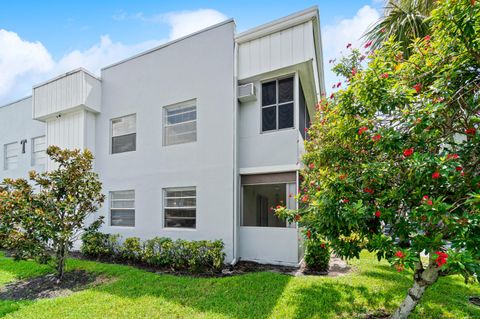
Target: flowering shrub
(396, 159)
(317, 255)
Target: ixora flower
(441, 259)
(378, 214)
(345, 200)
(343, 176)
(427, 38)
(408, 152)
(470, 131)
(362, 130)
(322, 245)
(459, 168)
(311, 166)
(376, 137)
(384, 76)
(304, 198)
(368, 190)
(427, 200)
(309, 234)
(452, 156)
(400, 254)
(436, 175)
(418, 87)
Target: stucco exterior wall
(199, 67)
(16, 124)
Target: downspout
(235, 160)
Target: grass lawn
(139, 294)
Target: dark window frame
(278, 104)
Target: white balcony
(75, 90)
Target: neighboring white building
(195, 139)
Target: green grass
(138, 294)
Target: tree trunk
(61, 256)
(423, 279)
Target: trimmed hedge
(162, 252)
(317, 255)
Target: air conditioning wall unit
(247, 92)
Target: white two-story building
(196, 139)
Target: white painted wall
(276, 51)
(76, 89)
(199, 67)
(16, 124)
(271, 245)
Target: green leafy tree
(393, 161)
(42, 221)
(405, 20)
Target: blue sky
(39, 39)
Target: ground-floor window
(122, 208)
(180, 207)
(262, 193)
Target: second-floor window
(277, 104)
(38, 150)
(124, 134)
(10, 158)
(180, 123)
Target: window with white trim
(122, 208)
(180, 123)
(180, 207)
(277, 104)
(10, 158)
(38, 150)
(124, 134)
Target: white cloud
(335, 37)
(24, 64)
(186, 22)
(20, 59)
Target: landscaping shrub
(191, 256)
(96, 244)
(317, 255)
(132, 249)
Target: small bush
(96, 244)
(317, 255)
(132, 249)
(191, 256)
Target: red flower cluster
(470, 131)
(304, 198)
(441, 259)
(354, 71)
(408, 152)
(368, 190)
(378, 214)
(452, 156)
(418, 87)
(427, 200)
(436, 175)
(384, 76)
(311, 166)
(309, 234)
(400, 254)
(459, 168)
(322, 245)
(343, 176)
(345, 200)
(399, 268)
(362, 130)
(427, 38)
(377, 137)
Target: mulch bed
(338, 267)
(47, 286)
(380, 314)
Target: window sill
(179, 229)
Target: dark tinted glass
(285, 115)
(122, 217)
(285, 90)
(269, 93)
(269, 118)
(124, 143)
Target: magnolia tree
(42, 221)
(393, 161)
